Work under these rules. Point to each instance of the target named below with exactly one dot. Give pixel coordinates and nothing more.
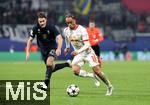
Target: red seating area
(137, 6)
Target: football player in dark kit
(49, 41)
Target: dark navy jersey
(46, 37)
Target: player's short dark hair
(71, 15)
(92, 21)
(42, 15)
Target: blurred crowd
(107, 15)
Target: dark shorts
(47, 53)
(96, 50)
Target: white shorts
(81, 58)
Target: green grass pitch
(131, 81)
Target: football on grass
(73, 90)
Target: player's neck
(92, 28)
(75, 27)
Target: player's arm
(85, 47)
(29, 44)
(67, 42)
(59, 41)
(85, 39)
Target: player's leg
(59, 66)
(93, 62)
(55, 66)
(49, 70)
(51, 67)
(77, 63)
(80, 72)
(102, 76)
(97, 52)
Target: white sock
(84, 73)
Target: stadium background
(125, 24)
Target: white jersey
(77, 37)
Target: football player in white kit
(78, 37)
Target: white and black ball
(73, 90)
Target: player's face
(42, 22)
(70, 22)
(91, 24)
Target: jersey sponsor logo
(44, 36)
(38, 30)
(48, 31)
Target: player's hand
(96, 40)
(27, 56)
(74, 53)
(66, 51)
(58, 51)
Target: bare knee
(50, 61)
(76, 69)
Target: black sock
(60, 66)
(48, 75)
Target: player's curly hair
(42, 15)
